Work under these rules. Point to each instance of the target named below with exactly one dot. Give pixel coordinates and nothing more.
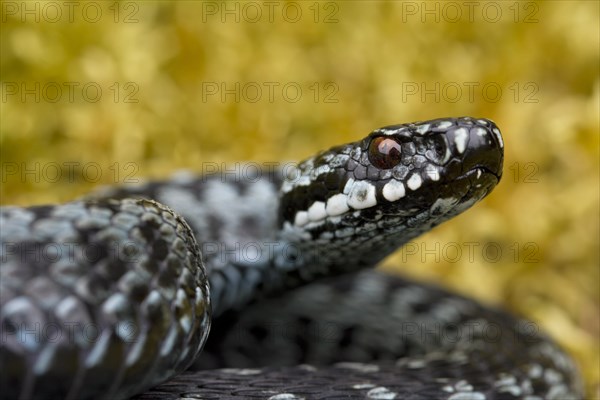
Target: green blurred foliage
(161, 67)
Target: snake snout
(479, 145)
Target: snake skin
(94, 294)
(294, 313)
(409, 341)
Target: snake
(259, 283)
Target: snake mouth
(481, 181)
(497, 175)
(481, 171)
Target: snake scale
(113, 295)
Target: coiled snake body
(110, 296)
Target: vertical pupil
(384, 152)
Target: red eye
(384, 153)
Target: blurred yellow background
(104, 92)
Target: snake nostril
(384, 153)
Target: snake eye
(384, 152)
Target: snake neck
(351, 206)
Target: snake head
(399, 181)
(441, 165)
